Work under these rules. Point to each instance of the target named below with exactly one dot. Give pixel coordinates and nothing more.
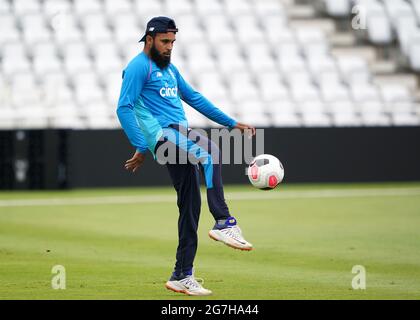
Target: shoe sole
(186, 292)
(230, 245)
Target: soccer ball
(265, 172)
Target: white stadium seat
(269, 8)
(45, 59)
(338, 8)
(113, 7)
(126, 28)
(218, 30)
(148, 8)
(56, 90)
(66, 29)
(414, 51)
(53, 8)
(87, 89)
(34, 29)
(82, 7)
(15, 59)
(205, 8)
(237, 7)
(247, 29)
(178, 7)
(353, 69)
(378, 24)
(211, 84)
(190, 30)
(113, 82)
(106, 58)
(9, 31)
(4, 7)
(23, 7)
(96, 28)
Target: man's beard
(160, 60)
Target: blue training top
(150, 100)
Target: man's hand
(243, 127)
(135, 162)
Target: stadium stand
(281, 63)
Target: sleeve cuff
(143, 151)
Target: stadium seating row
(61, 63)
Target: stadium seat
(113, 7)
(364, 92)
(337, 8)
(8, 118)
(405, 119)
(199, 58)
(395, 93)
(82, 7)
(224, 32)
(126, 28)
(66, 29)
(147, 8)
(96, 28)
(178, 7)
(211, 84)
(353, 69)
(319, 65)
(56, 7)
(205, 8)
(416, 6)
(4, 8)
(87, 89)
(242, 88)
(269, 8)
(106, 58)
(190, 30)
(334, 91)
(414, 51)
(9, 30)
(76, 58)
(247, 29)
(237, 7)
(32, 117)
(229, 58)
(15, 59)
(34, 29)
(272, 91)
(260, 58)
(112, 82)
(378, 24)
(23, 7)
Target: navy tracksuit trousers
(185, 153)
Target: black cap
(159, 25)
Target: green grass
(305, 248)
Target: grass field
(120, 243)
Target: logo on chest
(168, 91)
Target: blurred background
(333, 82)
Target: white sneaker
(231, 236)
(188, 285)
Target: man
(152, 116)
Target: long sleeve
(201, 104)
(134, 77)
